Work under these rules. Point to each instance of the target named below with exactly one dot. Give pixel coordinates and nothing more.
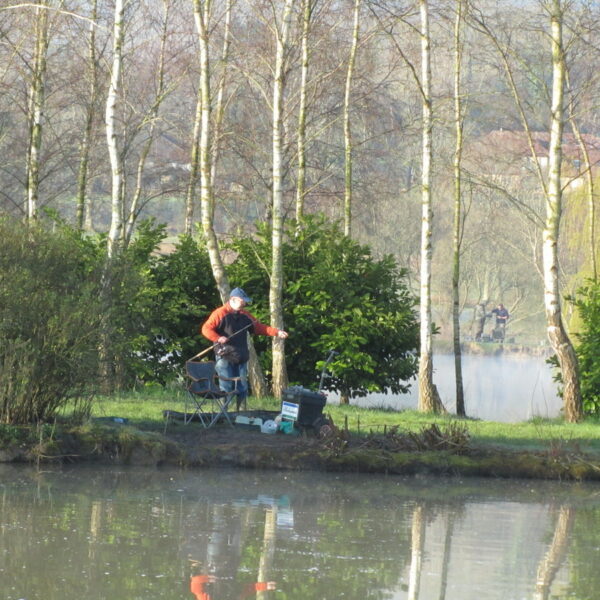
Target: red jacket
(224, 321)
(197, 584)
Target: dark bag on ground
(229, 353)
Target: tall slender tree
(277, 208)
(429, 399)
(37, 92)
(457, 229)
(116, 161)
(220, 101)
(190, 196)
(202, 15)
(557, 334)
(83, 208)
(307, 9)
(551, 190)
(267, 553)
(417, 549)
(555, 556)
(152, 120)
(347, 127)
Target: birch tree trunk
(195, 154)
(572, 402)
(457, 234)
(417, 544)
(429, 399)
(152, 118)
(202, 17)
(203, 144)
(347, 129)
(446, 555)
(190, 196)
(267, 553)
(36, 108)
(553, 559)
(116, 163)
(301, 185)
(220, 104)
(276, 284)
(82, 175)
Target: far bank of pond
(501, 382)
(434, 450)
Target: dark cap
(240, 293)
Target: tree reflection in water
(227, 535)
(557, 551)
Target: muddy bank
(435, 453)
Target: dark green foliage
(49, 319)
(70, 319)
(588, 349)
(337, 296)
(157, 303)
(179, 293)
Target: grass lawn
(144, 409)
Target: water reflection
(224, 535)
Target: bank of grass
(144, 410)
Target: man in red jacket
(227, 328)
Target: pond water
(129, 534)
(506, 388)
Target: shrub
(336, 296)
(49, 320)
(588, 348)
(178, 294)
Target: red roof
(502, 142)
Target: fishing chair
(209, 402)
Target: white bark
(429, 400)
(82, 176)
(36, 109)
(276, 286)
(220, 104)
(457, 230)
(151, 118)
(202, 18)
(301, 185)
(572, 402)
(116, 165)
(417, 543)
(198, 119)
(267, 553)
(555, 556)
(190, 197)
(347, 128)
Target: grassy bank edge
(542, 449)
(144, 409)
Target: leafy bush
(156, 303)
(179, 292)
(49, 319)
(336, 296)
(70, 321)
(588, 349)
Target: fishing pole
(207, 350)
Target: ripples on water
(129, 534)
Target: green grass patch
(144, 409)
